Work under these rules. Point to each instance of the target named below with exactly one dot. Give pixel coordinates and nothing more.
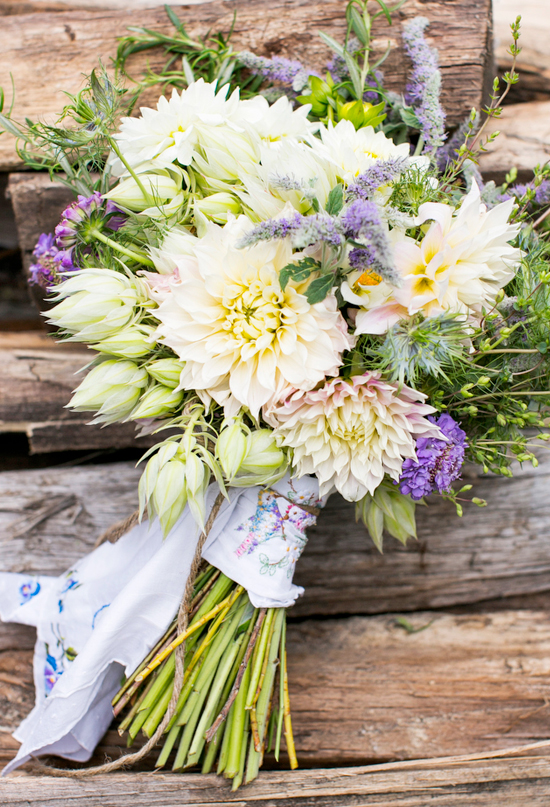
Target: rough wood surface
(48, 52)
(51, 517)
(365, 690)
(523, 142)
(533, 62)
(495, 783)
(36, 381)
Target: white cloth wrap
(101, 618)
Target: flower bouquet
(301, 286)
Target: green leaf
(408, 116)
(358, 25)
(319, 288)
(354, 75)
(315, 204)
(174, 19)
(335, 201)
(385, 10)
(542, 347)
(332, 43)
(375, 525)
(297, 271)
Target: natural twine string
(183, 620)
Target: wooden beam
(364, 690)
(523, 142)
(48, 52)
(498, 551)
(493, 783)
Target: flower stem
(119, 248)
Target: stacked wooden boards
(378, 670)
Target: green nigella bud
(158, 402)
(166, 371)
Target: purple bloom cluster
(361, 219)
(50, 262)
(304, 230)
(542, 192)
(55, 254)
(278, 68)
(371, 180)
(423, 90)
(438, 463)
(86, 213)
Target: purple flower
(371, 180)
(278, 68)
(361, 219)
(81, 218)
(424, 88)
(542, 193)
(438, 462)
(50, 263)
(304, 230)
(270, 230)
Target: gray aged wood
(494, 783)
(523, 142)
(36, 381)
(56, 515)
(48, 52)
(364, 690)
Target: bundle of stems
(234, 705)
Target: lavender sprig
(361, 219)
(371, 180)
(287, 71)
(50, 263)
(424, 88)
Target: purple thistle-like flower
(375, 177)
(87, 213)
(361, 219)
(50, 263)
(424, 88)
(542, 193)
(287, 71)
(438, 462)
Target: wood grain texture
(35, 386)
(498, 551)
(495, 783)
(48, 52)
(523, 142)
(364, 690)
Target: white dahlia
(243, 339)
(460, 264)
(170, 132)
(351, 151)
(350, 433)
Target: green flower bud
(163, 189)
(264, 463)
(97, 304)
(390, 510)
(231, 449)
(157, 402)
(166, 371)
(170, 494)
(218, 206)
(129, 343)
(361, 113)
(113, 388)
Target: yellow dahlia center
(254, 311)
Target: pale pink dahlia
(351, 433)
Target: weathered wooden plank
(498, 551)
(48, 52)
(364, 690)
(36, 382)
(523, 142)
(495, 783)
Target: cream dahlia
(243, 339)
(460, 264)
(351, 151)
(350, 433)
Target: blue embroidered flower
(29, 590)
